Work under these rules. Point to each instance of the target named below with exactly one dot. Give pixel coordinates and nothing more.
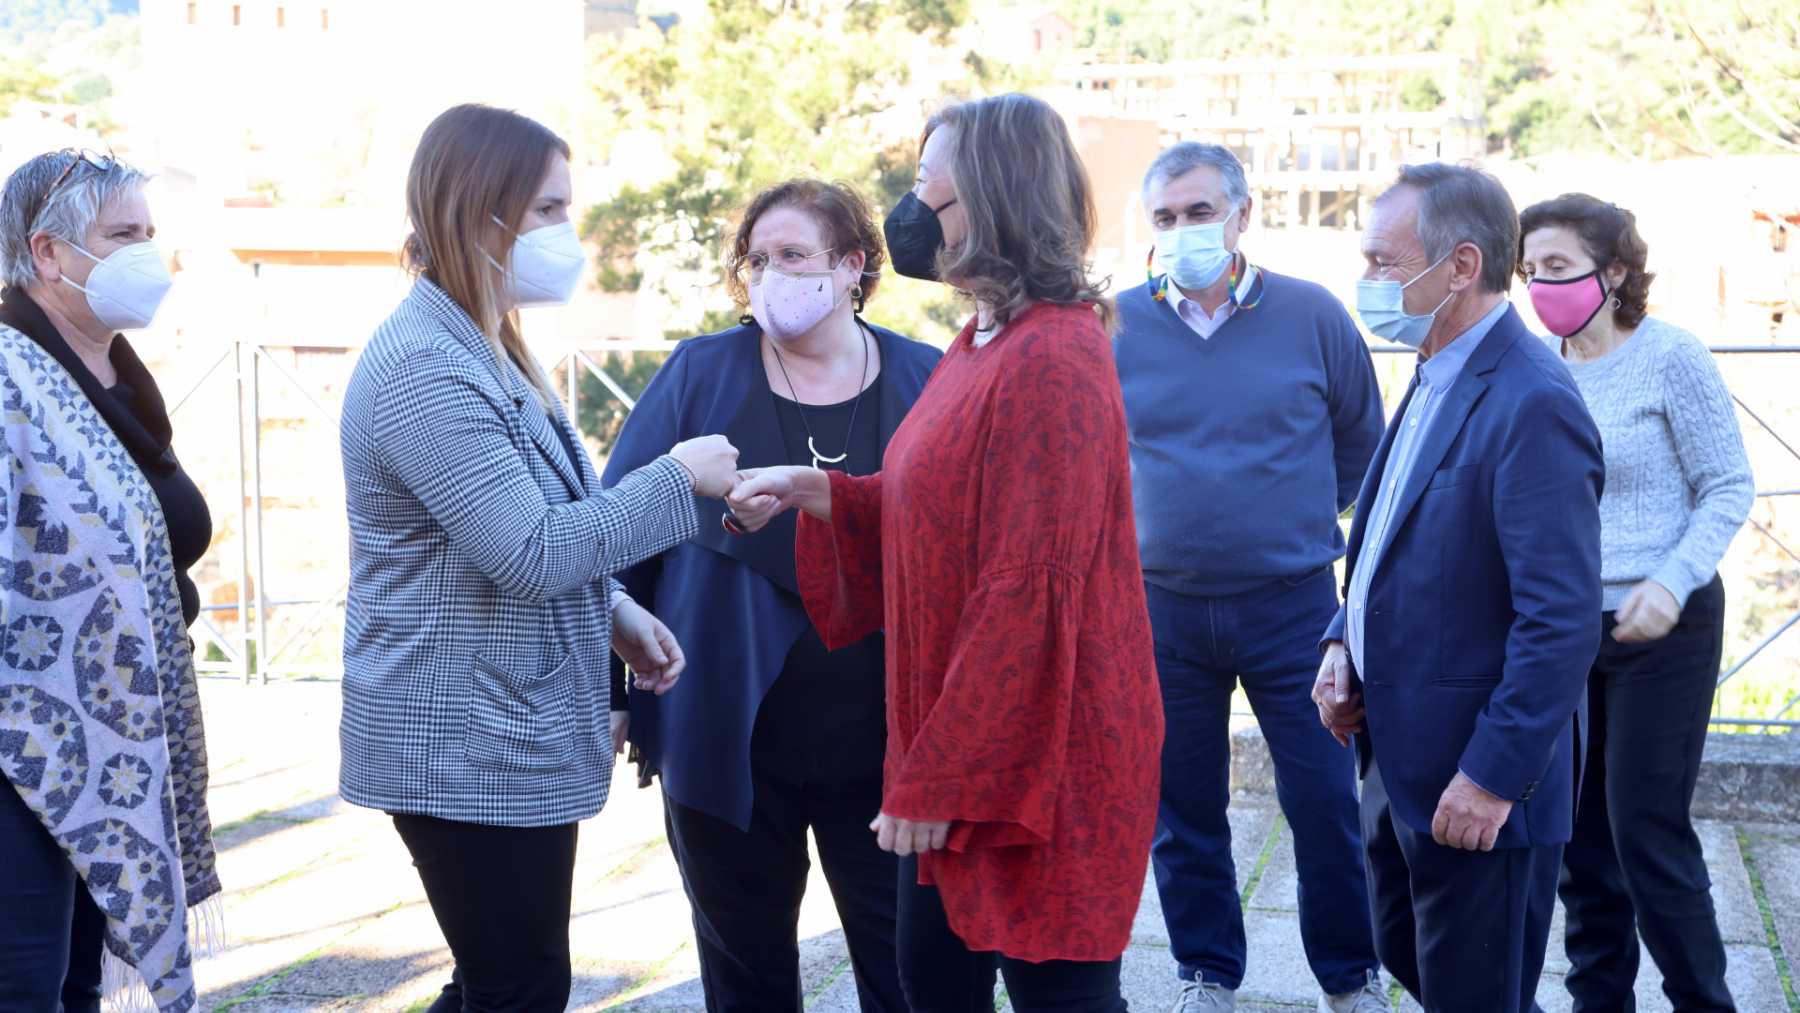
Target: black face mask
(914, 237)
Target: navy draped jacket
(731, 601)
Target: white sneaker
(1205, 997)
(1371, 998)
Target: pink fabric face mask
(1566, 305)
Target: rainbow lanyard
(1162, 291)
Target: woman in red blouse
(997, 549)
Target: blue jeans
(50, 929)
(1268, 637)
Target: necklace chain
(850, 433)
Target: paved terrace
(324, 912)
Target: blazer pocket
(522, 725)
(1469, 681)
(1448, 477)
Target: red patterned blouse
(997, 548)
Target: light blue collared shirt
(1432, 384)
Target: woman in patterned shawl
(103, 818)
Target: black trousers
(50, 928)
(501, 896)
(1463, 931)
(1635, 864)
(745, 889)
(941, 975)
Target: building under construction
(1319, 137)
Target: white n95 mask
(126, 288)
(546, 265)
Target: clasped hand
(763, 494)
(1334, 692)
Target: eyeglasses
(787, 260)
(79, 157)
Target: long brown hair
(474, 164)
(1028, 202)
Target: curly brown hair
(1029, 205)
(842, 215)
(1609, 234)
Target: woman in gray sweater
(1678, 488)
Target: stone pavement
(323, 911)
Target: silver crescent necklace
(850, 433)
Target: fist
(1468, 817)
(1648, 613)
(713, 462)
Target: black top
(133, 408)
(825, 719)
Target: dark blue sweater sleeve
(653, 427)
(1354, 401)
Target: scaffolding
(1318, 138)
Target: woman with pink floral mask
(773, 735)
(1678, 487)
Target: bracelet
(693, 479)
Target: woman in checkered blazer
(482, 603)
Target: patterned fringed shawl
(99, 713)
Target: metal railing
(247, 653)
(1785, 717)
(246, 650)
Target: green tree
(1637, 78)
(599, 412)
(66, 52)
(1693, 77)
(22, 79)
(751, 94)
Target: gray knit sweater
(1678, 483)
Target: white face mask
(546, 265)
(125, 289)
(788, 305)
(1195, 255)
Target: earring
(856, 297)
(1615, 302)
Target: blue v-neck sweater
(1246, 446)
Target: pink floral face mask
(789, 305)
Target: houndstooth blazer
(476, 665)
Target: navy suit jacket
(1484, 616)
(732, 601)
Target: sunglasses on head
(77, 157)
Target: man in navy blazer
(1460, 657)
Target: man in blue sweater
(1253, 412)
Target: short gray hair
(1461, 204)
(1187, 156)
(27, 205)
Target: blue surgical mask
(1195, 255)
(1382, 307)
